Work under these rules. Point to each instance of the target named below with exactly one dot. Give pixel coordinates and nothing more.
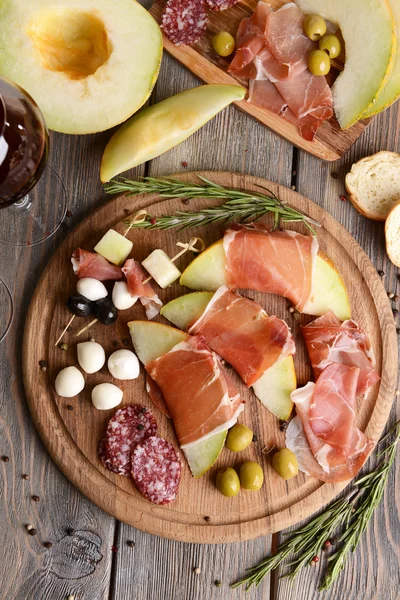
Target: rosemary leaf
(239, 206)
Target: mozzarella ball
(121, 297)
(91, 356)
(123, 364)
(92, 289)
(106, 396)
(69, 382)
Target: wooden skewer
(66, 327)
(139, 217)
(87, 327)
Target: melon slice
(89, 64)
(391, 91)
(369, 33)
(274, 386)
(152, 340)
(207, 272)
(162, 126)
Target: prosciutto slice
(250, 39)
(330, 341)
(91, 264)
(242, 333)
(327, 414)
(278, 262)
(201, 398)
(135, 277)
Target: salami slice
(102, 452)
(221, 4)
(184, 21)
(128, 427)
(156, 470)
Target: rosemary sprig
(239, 206)
(353, 511)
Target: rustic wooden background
(90, 557)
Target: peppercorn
(125, 342)
(5, 459)
(43, 363)
(185, 201)
(31, 530)
(315, 560)
(327, 544)
(343, 198)
(391, 295)
(255, 438)
(143, 410)
(115, 344)
(25, 476)
(207, 519)
(197, 570)
(47, 545)
(217, 583)
(395, 312)
(35, 498)
(184, 163)
(140, 427)
(283, 425)
(153, 221)
(334, 175)
(127, 211)
(70, 407)
(381, 273)
(130, 544)
(69, 213)
(64, 347)
(69, 531)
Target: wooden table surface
(90, 557)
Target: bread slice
(373, 184)
(392, 235)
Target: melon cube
(161, 268)
(114, 247)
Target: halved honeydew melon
(369, 32)
(163, 126)
(274, 386)
(207, 272)
(89, 64)
(391, 91)
(152, 340)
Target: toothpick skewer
(139, 217)
(87, 327)
(66, 327)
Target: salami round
(156, 470)
(128, 427)
(221, 4)
(102, 452)
(184, 21)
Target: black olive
(105, 311)
(79, 305)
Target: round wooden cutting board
(72, 436)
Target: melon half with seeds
(89, 64)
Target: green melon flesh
(163, 126)
(152, 340)
(369, 33)
(207, 272)
(89, 64)
(274, 386)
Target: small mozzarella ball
(121, 297)
(91, 356)
(91, 288)
(69, 382)
(106, 396)
(123, 364)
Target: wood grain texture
(330, 142)
(64, 432)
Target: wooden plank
(79, 563)
(372, 572)
(330, 142)
(230, 141)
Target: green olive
(228, 482)
(251, 476)
(331, 45)
(223, 43)
(239, 437)
(314, 27)
(285, 463)
(319, 63)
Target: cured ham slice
(286, 40)
(91, 264)
(138, 288)
(250, 39)
(201, 398)
(254, 261)
(327, 414)
(156, 395)
(242, 333)
(330, 341)
(307, 94)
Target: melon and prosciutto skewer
(324, 436)
(91, 264)
(201, 398)
(257, 346)
(139, 287)
(330, 341)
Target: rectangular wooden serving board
(330, 142)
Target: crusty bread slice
(373, 184)
(392, 235)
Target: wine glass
(32, 196)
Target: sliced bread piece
(392, 235)
(373, 184)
